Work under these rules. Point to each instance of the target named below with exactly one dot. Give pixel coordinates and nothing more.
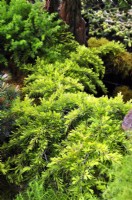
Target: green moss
(126, 92)
(123, 63)
(94, 42)
(116, 58)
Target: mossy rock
(126, 92)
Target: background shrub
(110, 19)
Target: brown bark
(70, 12)
(52, 5)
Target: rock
(127, 121)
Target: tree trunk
(70, 13)
(52, 5)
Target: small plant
(8, 92)
(120, 187)
(36, 191)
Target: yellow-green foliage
(94, 42)
(104, 46)
(126, 92)
(59, 126)
(84, 70)
(48, 78)
(40, 121)
(43, 124)
(87, 67)
(94, 143)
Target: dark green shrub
(109, 19)
(97, 4)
